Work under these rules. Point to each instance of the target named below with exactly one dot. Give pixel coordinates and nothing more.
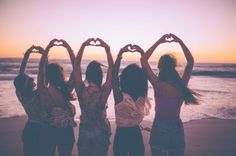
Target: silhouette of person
(28, 96)
(57, 131)
(131, 104)
(94, 128)
(170, 91)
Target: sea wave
(12, 65)
(224, 74)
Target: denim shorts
(93, 140)
(167, 134)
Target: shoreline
(204, 137)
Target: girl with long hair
(28, 96)
(131, 104)
(57, 131)
(94, 128)
(170, 91)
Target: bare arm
(43, 62)
(115, 76)
(40, 79)
(190, 61)
(107, 86)
(144, 60)
(77, 66)
(70, 82)
(25, 60)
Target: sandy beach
(206, 137)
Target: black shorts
(128, 140)
(31, 132)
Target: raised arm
(25, 60)
(190, 61)
(115, 75)
(40, 79)
(43, 62)
(77, 64)
(107, 86)
(70, 83)
(138, 49)
(144, 59)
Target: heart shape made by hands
(131, 48)
(95, 42)
(58, 43)
(169, 39)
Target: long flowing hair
(166, 65)
(133, 80)
(54, 75)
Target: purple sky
(207, 27)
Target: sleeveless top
(130, 113)
(60, 112)
(93, 110)
(32, 106)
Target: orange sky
(207, 27)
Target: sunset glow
(206, 27)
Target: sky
(207, 27)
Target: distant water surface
(215, 82)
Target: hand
(65, 44)
(125, 48)
(88, 42)
(138, 49)
(39, 50)
(175, 38)
(52, 43)
(165, 38)
(29, 50)
(102, 44)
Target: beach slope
(206, 137)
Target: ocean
(215, 82)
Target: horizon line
(86, 59)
